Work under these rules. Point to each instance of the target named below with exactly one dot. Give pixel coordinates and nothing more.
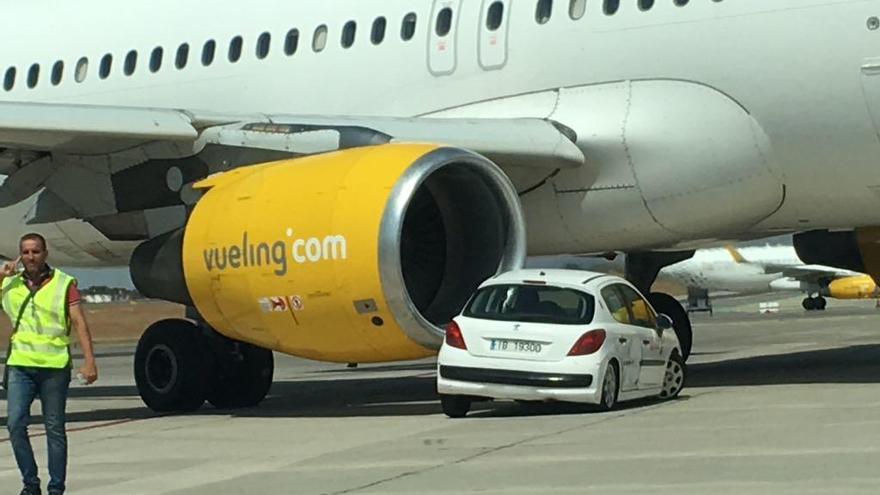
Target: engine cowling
(857, 250)
(357, 256)
(856, 287)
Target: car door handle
(646, 342)
(623, 340)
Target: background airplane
(759, 269)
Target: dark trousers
(25, 384)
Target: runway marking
(86, 428)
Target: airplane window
(182, 56)
(348, 33)
(319, 41)
(444, 22)
(544, 11)
(378, 33)
(33, 76)
(130, 63)
(576, 9)
(82, 69)
(264, 42)
(291, 42)
(235, 49)
(208, 52)
(106, 65)
(408, 29)
(9, 79)
(681, 3)
(495, 16)
(646, 4)
(156, 59)
(57, 72)
(611, 6)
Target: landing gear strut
(641, 271)
(179, 364)
(817, 303)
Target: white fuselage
(792, 67)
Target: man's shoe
(30, 490)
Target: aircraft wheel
(668, 305)
(807, 303)
(821, 303)
(170, 368)
(243, 378)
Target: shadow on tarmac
(416, 395)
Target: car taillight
(454, 336)
(589, 343)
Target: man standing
(41, 302)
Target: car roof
(580, 279)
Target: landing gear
(681, 322)
(814, 303)
(178, 365)
(171, 368)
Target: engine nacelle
(857, 287)
(357, 256)
(857, 250)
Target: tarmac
(785, 403)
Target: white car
(558, 335)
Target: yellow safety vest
(43, 336)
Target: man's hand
(89, 372)
(9, 268)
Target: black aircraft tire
(668, 305)
(244, 383)
(170, 368)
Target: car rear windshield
(532, 303)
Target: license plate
(524, 346)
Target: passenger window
(444, 22)
(348, 34)
(319, 41)
(57, 72)
(9, 79)
(681, 3)
(291, 42)
(543, 11)
(611, 7)
(33, 76)
(378, 33)
(156, 59)
(616, 304)
(106, 65)
(130, 63)
(646, 4)
(235, 49)
(495, 16)
(408, 28)
(264, 43)
(82, 69)
(182, 57)
(642, 314)
(208, 52)
(577, 8)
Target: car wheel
(455, 406)
(609, 388)
(673, 380)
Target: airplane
(760, 269)
(333, 179)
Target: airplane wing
(809, 273)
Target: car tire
(674, 377)
(610, 388)
(455, 406)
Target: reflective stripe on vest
(42, 339)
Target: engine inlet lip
(416, 326)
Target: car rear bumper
(517, 385)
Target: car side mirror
(663, 322)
